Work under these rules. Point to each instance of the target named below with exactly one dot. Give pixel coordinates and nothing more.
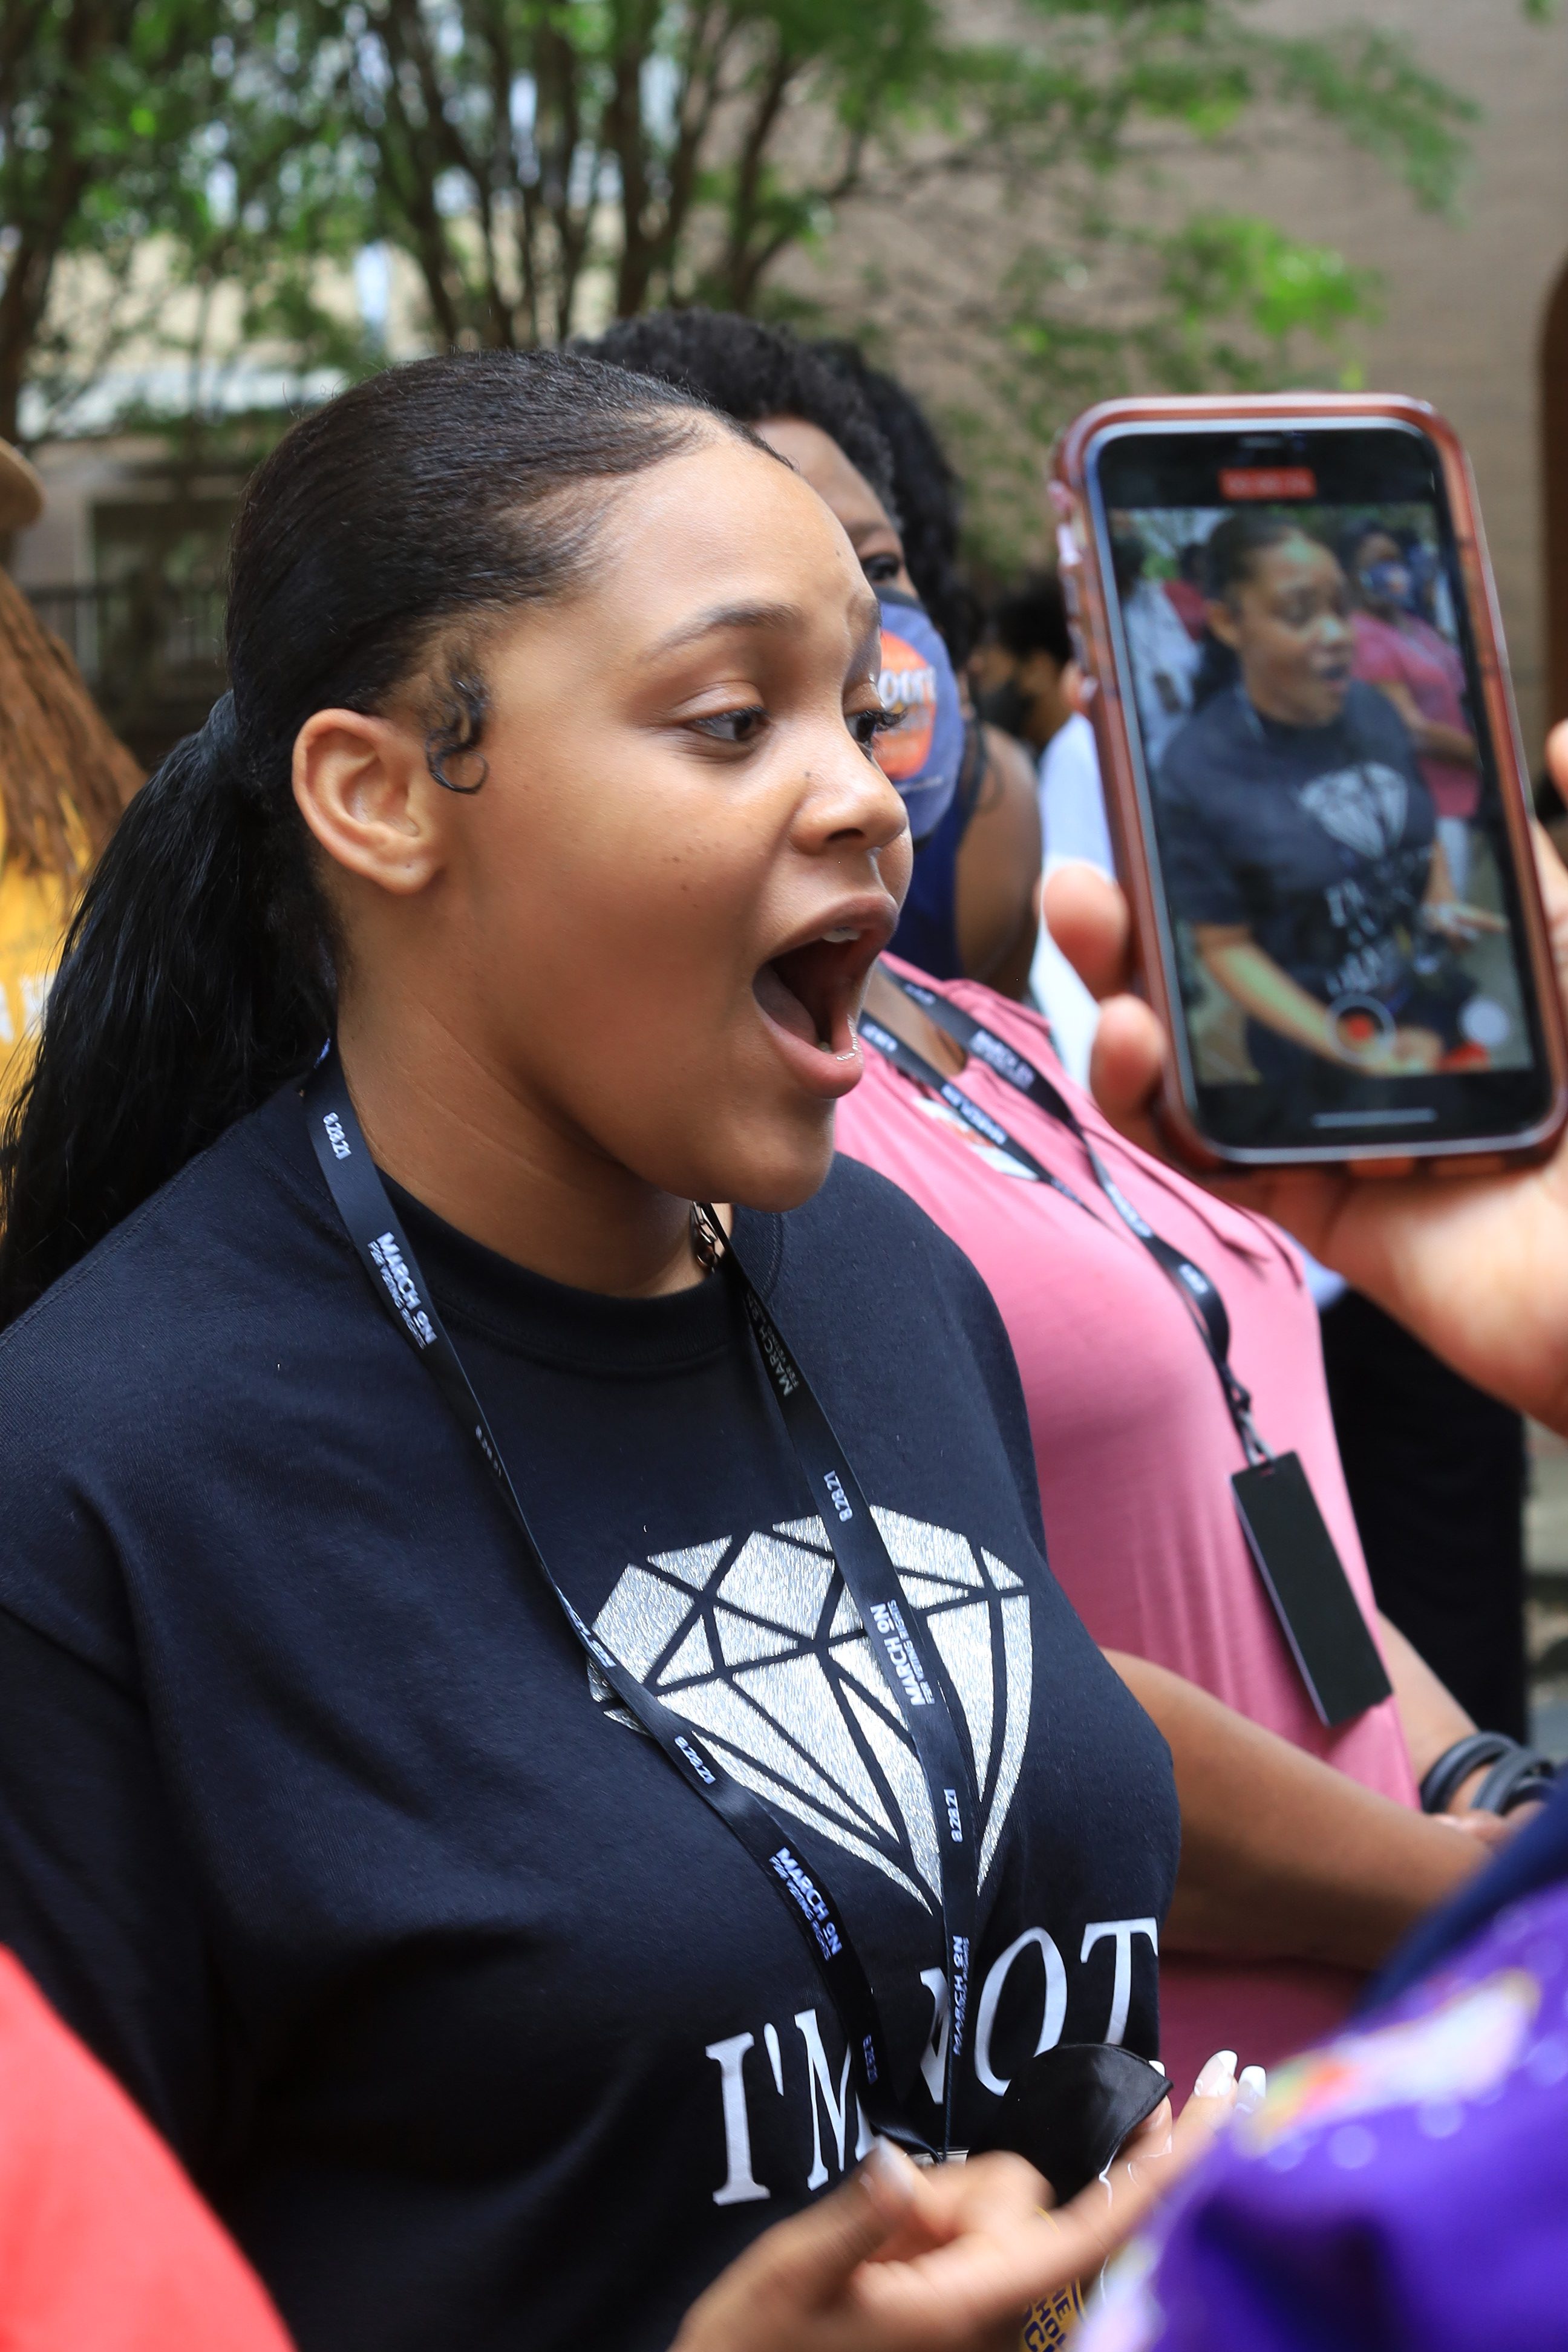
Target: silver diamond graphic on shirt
(1362, 806)
(755, 1641)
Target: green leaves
(1233, 267)
(536, 164)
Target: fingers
(819, 2249)
(1088, 916)
(1553, 876)
(1557, 756)
(1125, 1070)
(1151, 2137)
(766, 2300)
(998, 2250)
(1216, 2077)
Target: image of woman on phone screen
(1299, 839)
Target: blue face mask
(1389, 582)
(923, 754)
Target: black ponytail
(198, 976)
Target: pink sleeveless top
(1135, 1447)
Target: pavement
(1546, 1606)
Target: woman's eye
(733, 725)
(880, 570)
(867, 725)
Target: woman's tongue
(782, 1005)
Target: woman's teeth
(841, 937)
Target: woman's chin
(781, 1168)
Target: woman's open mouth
(811, 992)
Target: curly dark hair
(751, 371)
(929, 494)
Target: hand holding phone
(1476, 1265)
(1313, 779)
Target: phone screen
(1321, 792)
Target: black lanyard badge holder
(1302, 1572)
(868, 1572)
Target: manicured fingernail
(889, 2167)
(1217, 2075)
(1157, 2066)
(1251, 2090)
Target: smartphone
(1314, 778)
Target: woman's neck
(885, 1002)
(509, 1174)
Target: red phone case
(1085, 587)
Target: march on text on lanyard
(863, 1564)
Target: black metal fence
(150, 650)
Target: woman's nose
(850, 798)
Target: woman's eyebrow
(729, 617)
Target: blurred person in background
(1186, 590)
(1028, 648)
(1423, 675)
(971, 912)
(1160, 648)
(1023, 664)
(64, 780)
(1305, 1856)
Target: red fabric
(104, 2244)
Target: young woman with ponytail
(524, 888)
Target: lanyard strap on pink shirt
(1198, 1292)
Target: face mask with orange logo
(924, 753)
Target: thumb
(1088, 918)
(804, 2265)
(812, 2256)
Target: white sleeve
(1072, 822)
(1072, 805)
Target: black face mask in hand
(1069, 2110)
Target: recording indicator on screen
(1237, 482)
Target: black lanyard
(863, 1561)
(1198, 1293)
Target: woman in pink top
(1424, 677)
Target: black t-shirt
(477, 2024)
(1318, 838)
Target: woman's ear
(363, 787)
(1222, 621)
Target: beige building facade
(1466, 301)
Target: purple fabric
(1404, 2187)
